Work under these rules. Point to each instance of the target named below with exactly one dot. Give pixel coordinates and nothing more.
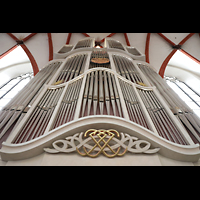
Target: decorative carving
(95, 142)
(100, 60)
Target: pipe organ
(88, 83)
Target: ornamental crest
(108, 142)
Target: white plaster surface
(75, 159)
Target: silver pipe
(171, 129)
(127, 101)
(74, 101)
(37, 121)
(95, 94)
(101, 94)
(151, 113)
(106, 89)
(112, 97)
(49, 113)
(90, 92)
(116, 65)
(85, 97)
(32, 118)
(161, 119)
(63, 107)
(116, 95)
(123, 62)
(68, 101)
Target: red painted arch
(29, 36)
(186, 38)
(68, 38)
(50, 46)
(190, 56)
(86, 35)
(164, 65)
(166, 39)
(147, 47)
(31, 58)
(8, 51)
(110, 35)
(127, 40)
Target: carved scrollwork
(94, 142)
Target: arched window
(186, 93)
(15, 72)
(9, 89)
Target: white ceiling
(182, 61)
(159, 48)
(15, 57)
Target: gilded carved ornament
(95, 142)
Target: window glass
(191, 98)
(9, 89)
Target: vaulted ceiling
(158, 47)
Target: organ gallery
(98, 103)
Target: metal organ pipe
(68, 105)
(73, 68)
(16, 109)
(100, 95)
(133, 106)
(182, 112)
(78, 91)
(36, 124)
(84, 43)
(126, 69)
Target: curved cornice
(189, 153)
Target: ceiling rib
(147, 47)
(127, 40)
(186, 38)
(68, 38)
(29, 54)
(161, 71)
(50, 46)
(86, 35)
(164, 64)
(110, 35)
(31, 58)
(13, 37)
(29, 36)
(8, 51)
(190, 56)
(166, 39)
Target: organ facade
(98, 101)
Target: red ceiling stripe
(50, 46)
(31, 58)
(186, 38)
(68, 38)
(190, 56)
(110, 35)
(12, 36)
(8, 51)
(164, 65)
(166, 39)
(147, 47)
(86, 35)
(127, 40)
(29, 36)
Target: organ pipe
(92, 82)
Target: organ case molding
(98, 95)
